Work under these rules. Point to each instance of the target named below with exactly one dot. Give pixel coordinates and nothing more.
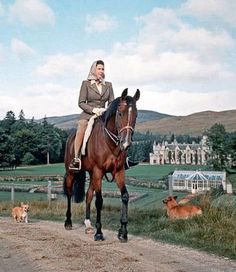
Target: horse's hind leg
(68, 183)
(96, 185)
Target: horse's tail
(78, 186)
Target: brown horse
(106, 153)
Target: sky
(181, 55)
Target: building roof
(199, 175)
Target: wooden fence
(51, 189)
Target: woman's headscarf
(92, 72)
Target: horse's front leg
(68, 183)
(89, 197)
(120, 180)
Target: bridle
(116, 139)
(127, 127)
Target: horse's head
(126, 115)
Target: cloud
(21, 49)
(177, 102)
(100, 23)
(31, 12)
(167, 30)
(2, 11)
(2, 54)
(58, 65)
(168, 50)
(8, 103)
(169, 67)
(215, 11)
(61, 65)
(40, 100)
(58, 100)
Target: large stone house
(180, 153)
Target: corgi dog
(21, 213)
(176, 211)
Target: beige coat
(90, 97)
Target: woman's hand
(98, 111)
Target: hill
(193, 124)
(70, 121)
(159, 123)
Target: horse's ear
(124, 93)
(137, 95)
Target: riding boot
(129, 163)
(76, 162)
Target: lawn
(38, 170)
(213, 232)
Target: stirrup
(75, 164)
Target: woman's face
(100, 71)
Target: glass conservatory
(197, 181)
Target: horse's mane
(111, 110)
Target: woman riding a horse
(94, 94)
(106, 151)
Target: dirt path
(47, 246)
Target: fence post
(12, 193)
(49, 192)
(170, 185)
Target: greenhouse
(198, 181)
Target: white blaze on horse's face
(125, 126)
(128, 139)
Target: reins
(112, 136)
(116, 140)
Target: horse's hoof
(68, 226)
(99, 237)
(123, 237)
(89, 230)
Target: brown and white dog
(176, 211)
(21, 213)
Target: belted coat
(90, 97)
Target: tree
(51, 142)
(7, 157)
(217, 141)
(28, 159)
(24, 141)
(8, 121)
(22, 116)
(29, 142)
(231, 147)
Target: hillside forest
(27, 142)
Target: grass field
(51, 169)
(141, 171)
(144, 172)
(214, 232)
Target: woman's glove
(98, 111)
